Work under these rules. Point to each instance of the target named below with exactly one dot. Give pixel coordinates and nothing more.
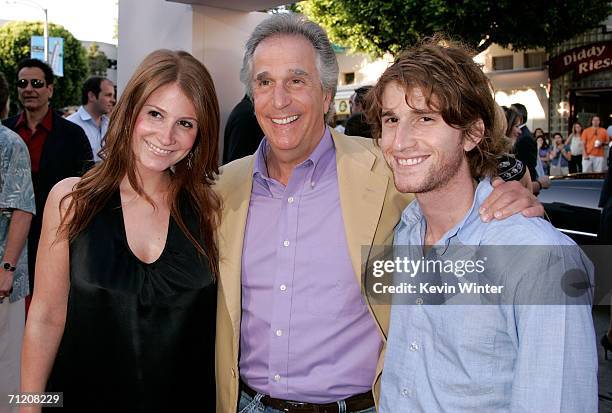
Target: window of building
(349, 78)
(535, 59)
(503, 62)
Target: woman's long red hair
(94, 190)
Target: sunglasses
(36, 83)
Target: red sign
(583, 60)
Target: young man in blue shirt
(522, 342)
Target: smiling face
(424, 152)
(289, 101)
(165, 129)
(34, 99)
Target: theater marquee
(584, 60)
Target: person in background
(595, 139)
(538, 132)
(574, 140)
(242, 133)
(16, 210)
(510, 168)
(132, 244)
(543, 153)
(559, 156)
(357, 124)
(97, 101)
(525, 148)
(58, 148)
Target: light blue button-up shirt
(493, 358)
(94, 132)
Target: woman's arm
(47, 315)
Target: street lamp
(46, 27)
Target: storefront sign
(584, 60)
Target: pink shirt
(306, 333)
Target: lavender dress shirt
(306, 333)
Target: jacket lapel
(362, 195)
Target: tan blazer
(371, 208)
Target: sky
(92, 20)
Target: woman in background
(123, 313)
(560, 155)
(510, 168)
(574, 140)
(543, 153)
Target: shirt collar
(46, 121)
(85, 116)
(260, 169)
(412, 216)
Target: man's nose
(404, 136)
(281, 97)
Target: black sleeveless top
(138, 337)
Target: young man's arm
(509, 198)
(556, 363)
(556, 366)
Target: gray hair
(293, 24)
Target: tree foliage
(379, 26)
(97, 59)
(15, 46)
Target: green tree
(379, 26)
(98, 61)
(15, 46)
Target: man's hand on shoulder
(509, 198)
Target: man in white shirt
(97, 99)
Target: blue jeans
(250, 404)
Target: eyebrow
(155, 107)
(163, 112)
(299, 72)
(261, 76)
(387, 113)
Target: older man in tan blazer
(294, 329)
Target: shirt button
(405, 392)
(419, 301)
(277, 377)
(279, 333)
(414, 346)
(286, 243)
(283, 287)
(290, 200)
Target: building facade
(580, 72)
